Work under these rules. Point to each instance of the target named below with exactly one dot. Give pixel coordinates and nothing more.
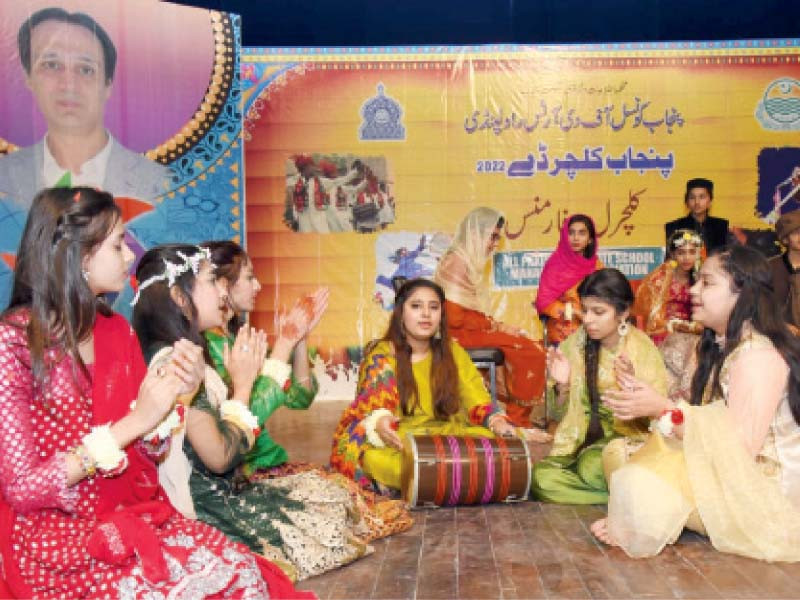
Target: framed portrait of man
(136, 97)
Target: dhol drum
(447, 470)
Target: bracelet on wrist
(668, 421)
(87, 464)
(169, 424)
(237, 413)
(278, 371)
(370, 424)
(104, 452)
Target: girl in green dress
(288, 360)
(305, 523)
(587, 365)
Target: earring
(438, 334)
(85, 274)
(623, 328)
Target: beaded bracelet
(87, 464)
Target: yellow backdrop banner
(361, 162)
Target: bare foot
(537, 436)
(600, 530)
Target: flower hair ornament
(174, 270)
(687, 237)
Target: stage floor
(526, 550)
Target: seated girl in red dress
(82, 514)
(663, 307)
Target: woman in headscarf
(461, 273)
(574, 258)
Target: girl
(584, 367)
(664, 309)
(725, 465)
(82, 513)
(234, 271)
(574, 258)
(303, 522)
(414, 379)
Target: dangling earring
(623, 328)
(85, 274)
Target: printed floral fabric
(381, 516)
(302, 522)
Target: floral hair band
(687, 237)
(174, 270)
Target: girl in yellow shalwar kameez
(728, 465)
(415, 379)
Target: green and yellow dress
(572, 476)
(357, 458)
(307, 522)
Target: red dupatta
(118, 371)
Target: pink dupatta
(562, 270)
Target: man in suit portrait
(698, 197)
(69, 62)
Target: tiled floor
(526, 550)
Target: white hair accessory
(173, 270)
(688, 237)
